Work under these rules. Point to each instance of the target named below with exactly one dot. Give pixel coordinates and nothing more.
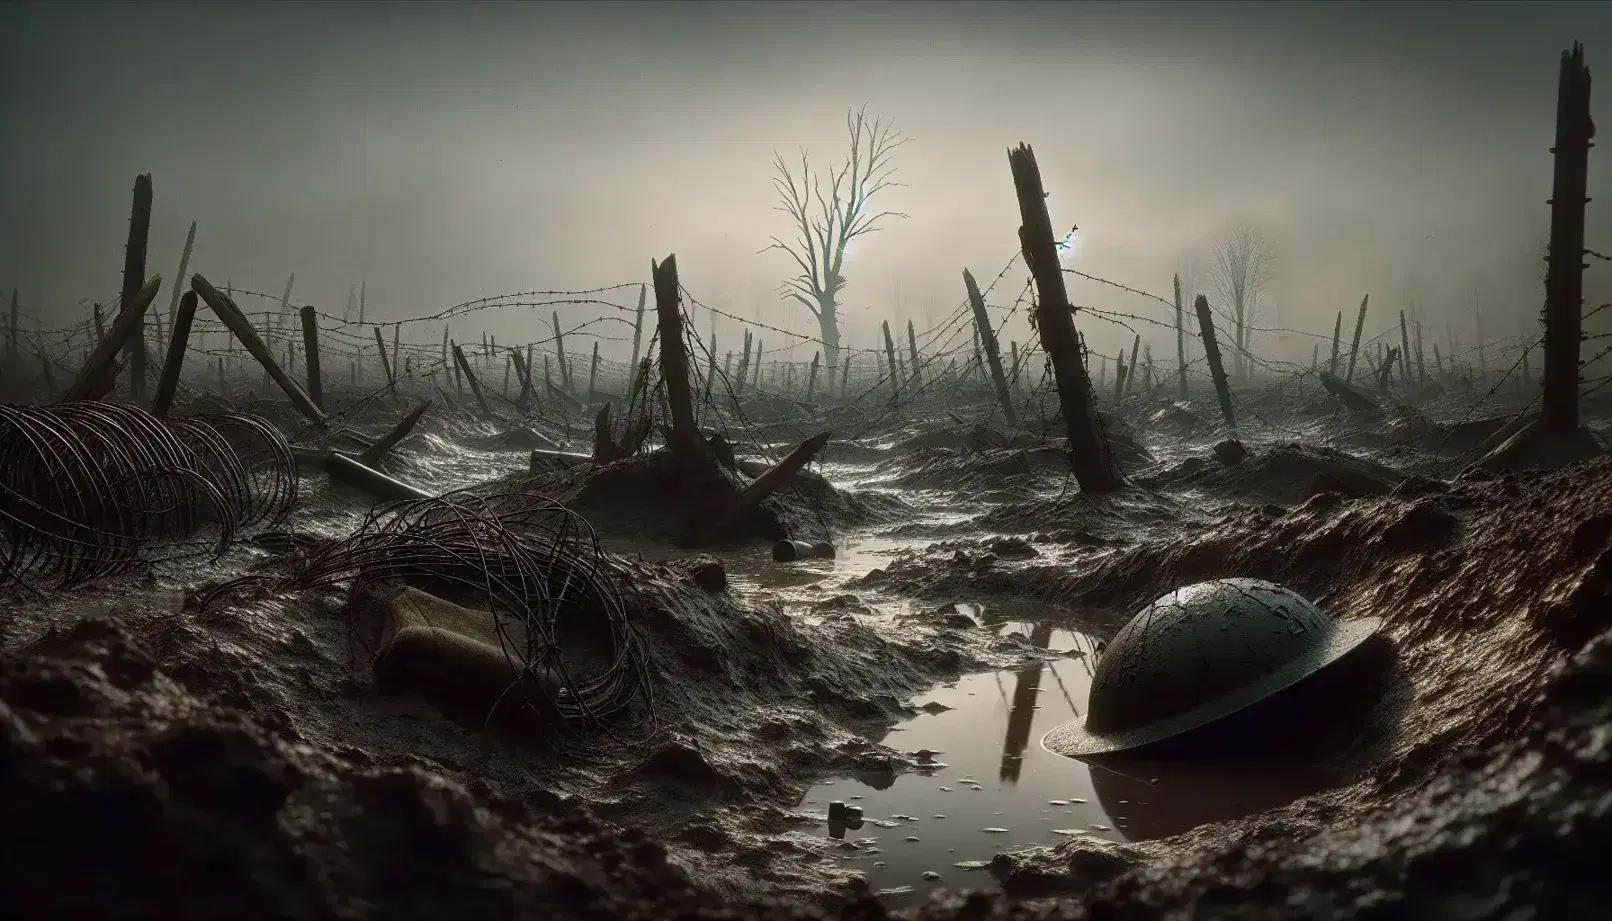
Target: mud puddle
(992, 789)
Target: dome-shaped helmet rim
(1072, 740)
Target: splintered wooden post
(684, 439)
(845, 373)
(638, 327)
(744, 366)
(459, 374)
(1438, 363)
(1089, 456)
(593, 371)
(755, 366)
(1121, 369)
(890, 356)
(987, 339)
(397, 350)
(1211, 353)
(1421, 360)
(1013, 373)
(811, 377)
(1337, 333)
(386, 363)
(1404, 350)
(184, 264)
(766, 484)
(310, 351)
(523, 372)
(169, 384)
(1131, 366)
(134, 276)
(508, 364)
(373, 454)
(231, 316)
(98, 376)
(1564, 274)
(912, 348)
(1147, 378)
(475, 385)
(710, 369)
(1386, 372)
(559, 356)
(1180, 340)
(1354, 347)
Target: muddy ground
(162, 757)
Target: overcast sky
(445, 152)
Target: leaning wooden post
(169, 384)
(890, 355)
(184, 264)
(92, 380)
(1121, 370)
(231, 316)
(386, 363)
(683, 438)
(1131, 366)
(373, 454)
(134, 276)
(1337, 333)
(310, 349)
(744, 366)
(1564, 275)
(475, 385)
(1404, 350)
(811, 377)
(1211, 353)
(559, 356)
(1438, 363)
(593, 371)
(987, 338)
(1089, 456)
(1354, 347)
(912, 348)
(710, 370)
(755, 367)
(638, 330)
(1180, 340)
(1421, 359)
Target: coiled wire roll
(90, 489)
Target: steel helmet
(1199, 654)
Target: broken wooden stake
(890, 355)
(1564, 276)
(230, 315)
(811, 378)
(769, 482)
(987, 337)
(99, 373)
(386, 364)
(912, 347)
(1211, 352)
(687, 447)
(372, 455)
(1354, 348)
(169, 384)
(1180, 339)
(1089, 455)
(475, 385)
(1337, 332)
(1350, 395)
(134, 278)
(310, 349)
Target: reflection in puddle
(992, 788)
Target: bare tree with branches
(827, 220)
(1239, 271)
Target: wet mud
(245, 756)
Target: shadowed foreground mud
(229, 780)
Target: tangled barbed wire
(554, 595)
(89, 489)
